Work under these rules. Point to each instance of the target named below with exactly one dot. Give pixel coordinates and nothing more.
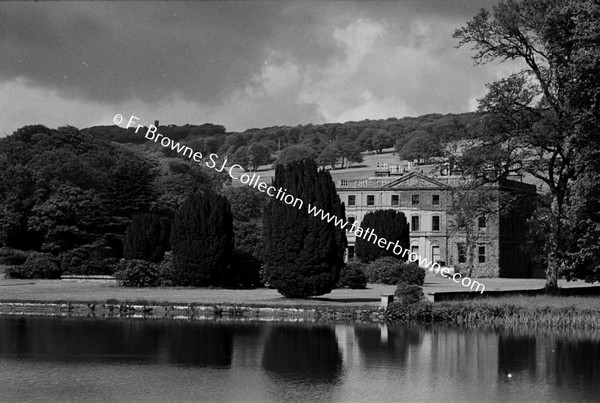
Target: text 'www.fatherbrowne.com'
(236, 172)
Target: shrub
(167, 269)
(353, 276)
(138, 273)
(243, 271)
(86, 260)
(389, 270)
(411, 273)
(409, 293)
(385, 270)
(38, 265)
(12, 257)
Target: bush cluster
(37, 266)
(138, 273)
(407, 294)
(85, 261)
(389, 270)
(12, 257)
(353, 276)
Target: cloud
(240, 64)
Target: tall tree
(329, 156)
(303, 254)
(258, 154)
(534, 113)
(202, 240)
(146, 238)
(388, 224)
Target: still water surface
(89, 359)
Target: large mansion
(496, 237)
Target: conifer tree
(303, 254)
(202, 240)
(388, 224)
(145, 238)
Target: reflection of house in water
(425, 200)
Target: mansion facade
(495, 243)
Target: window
(370, 200)
(351, 221)
(435, 200)
(415, 200)
(415, 249)
(395, 200)
(435, 223)
(462, 252)
(351, 200)
(435, 253)
(350, 252)
(482, 222)
(414, 222)
(481, 254)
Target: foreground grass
(512, 311)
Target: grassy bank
(513, 311)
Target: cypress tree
(202, 240)
(303, 254)
(388, 224)
(145, 238)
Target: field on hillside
(365, 169)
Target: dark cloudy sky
(240, 64)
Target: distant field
(366, 169)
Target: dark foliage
(388, 224)
(389, 270)
(12, 257)
(243, 271)
(352, 276)
(408, 293)
(138, 273)
(146, 238)
(98, 258)
(303, 254)
(37, 266)
(202, 240)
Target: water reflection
(140, 341)
(61, 359)
(386, 343)
(300, 352)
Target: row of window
(435, 200)
(435, 252)
(415, 223)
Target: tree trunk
(554, 245)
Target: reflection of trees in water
(568, 361)
(376, 348)
(296, 351)
(140, 341)
(577, 364)
(516, 353)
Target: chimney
(156, 123)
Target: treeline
(74, 203)
(332, 144)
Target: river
(92, 359)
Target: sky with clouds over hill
(239, 64)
